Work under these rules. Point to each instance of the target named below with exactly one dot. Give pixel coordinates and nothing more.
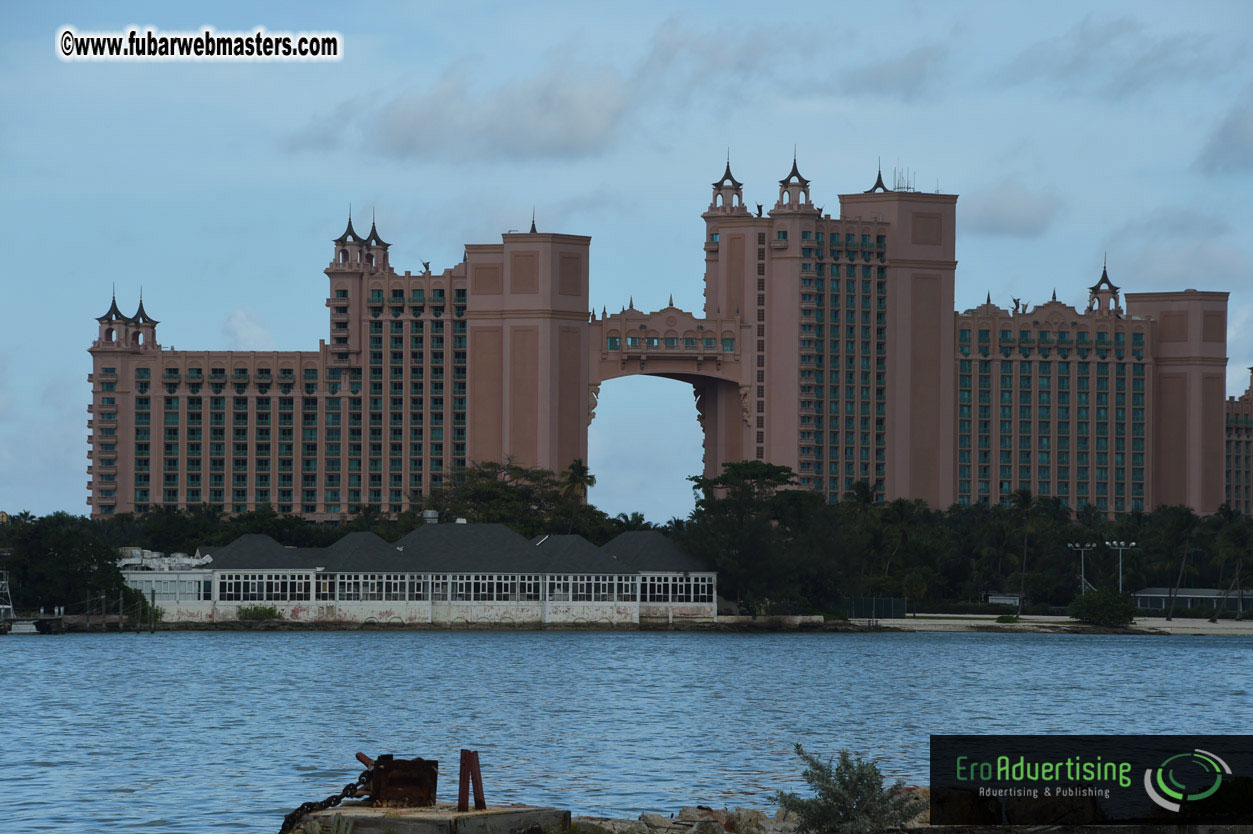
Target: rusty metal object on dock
(402, 783)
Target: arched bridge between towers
(706, 353)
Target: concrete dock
(444, 818)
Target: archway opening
(643, 444)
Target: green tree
(1103, 607)
(732, 526)
(849, 797)
(59, 560)
(575, 482)
(1023, 504)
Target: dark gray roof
(574, 554)
(468, 548)
(457, 548)
(1183, 592)
(650, 550)
(256, 550)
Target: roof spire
(671, 299)
(349, 233)
(631, 302)
(727, 177)
(373, 237)
(533, 220)
(988, 300)
(878, 181)
(114, 314)
(1054, 293)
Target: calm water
(226, 732)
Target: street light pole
(1120, 547)
(1083, 549)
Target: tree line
(774, 547)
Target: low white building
(1159, 598)
(438, 574)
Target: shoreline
(983, 624)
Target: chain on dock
(350, 790)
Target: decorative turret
(350, 247)
(728, 194)
(878, 184)
(1103, 296)
(143, 327)
(794, 190)
(376, 247)
(115, 328)
(114, 314)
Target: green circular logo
(1185, 777)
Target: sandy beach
(1061, 624)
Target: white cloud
(907, 77)
(1118, 57)
(245, 331)
(1009, 208)
(1230, 146)
(567, 109)
(564, 111)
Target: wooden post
(476, 780)
(463, 784)
(470, 775)
(120, 614)
(152, 613)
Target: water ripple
(187, 732)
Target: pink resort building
(828, 342)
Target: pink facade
(827, 343)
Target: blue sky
(1068, 129)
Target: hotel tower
(828, 343)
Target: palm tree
(575, 482)
(1023, 504)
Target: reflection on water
(198, 731)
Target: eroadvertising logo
(1073, 779)
(1207, 781)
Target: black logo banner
(1072, 780)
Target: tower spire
(988, 300)
(533, 220)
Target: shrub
(1103, 608)
(258, 612)
(1007, 618)
(849, 797)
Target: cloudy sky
(1068, 129)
